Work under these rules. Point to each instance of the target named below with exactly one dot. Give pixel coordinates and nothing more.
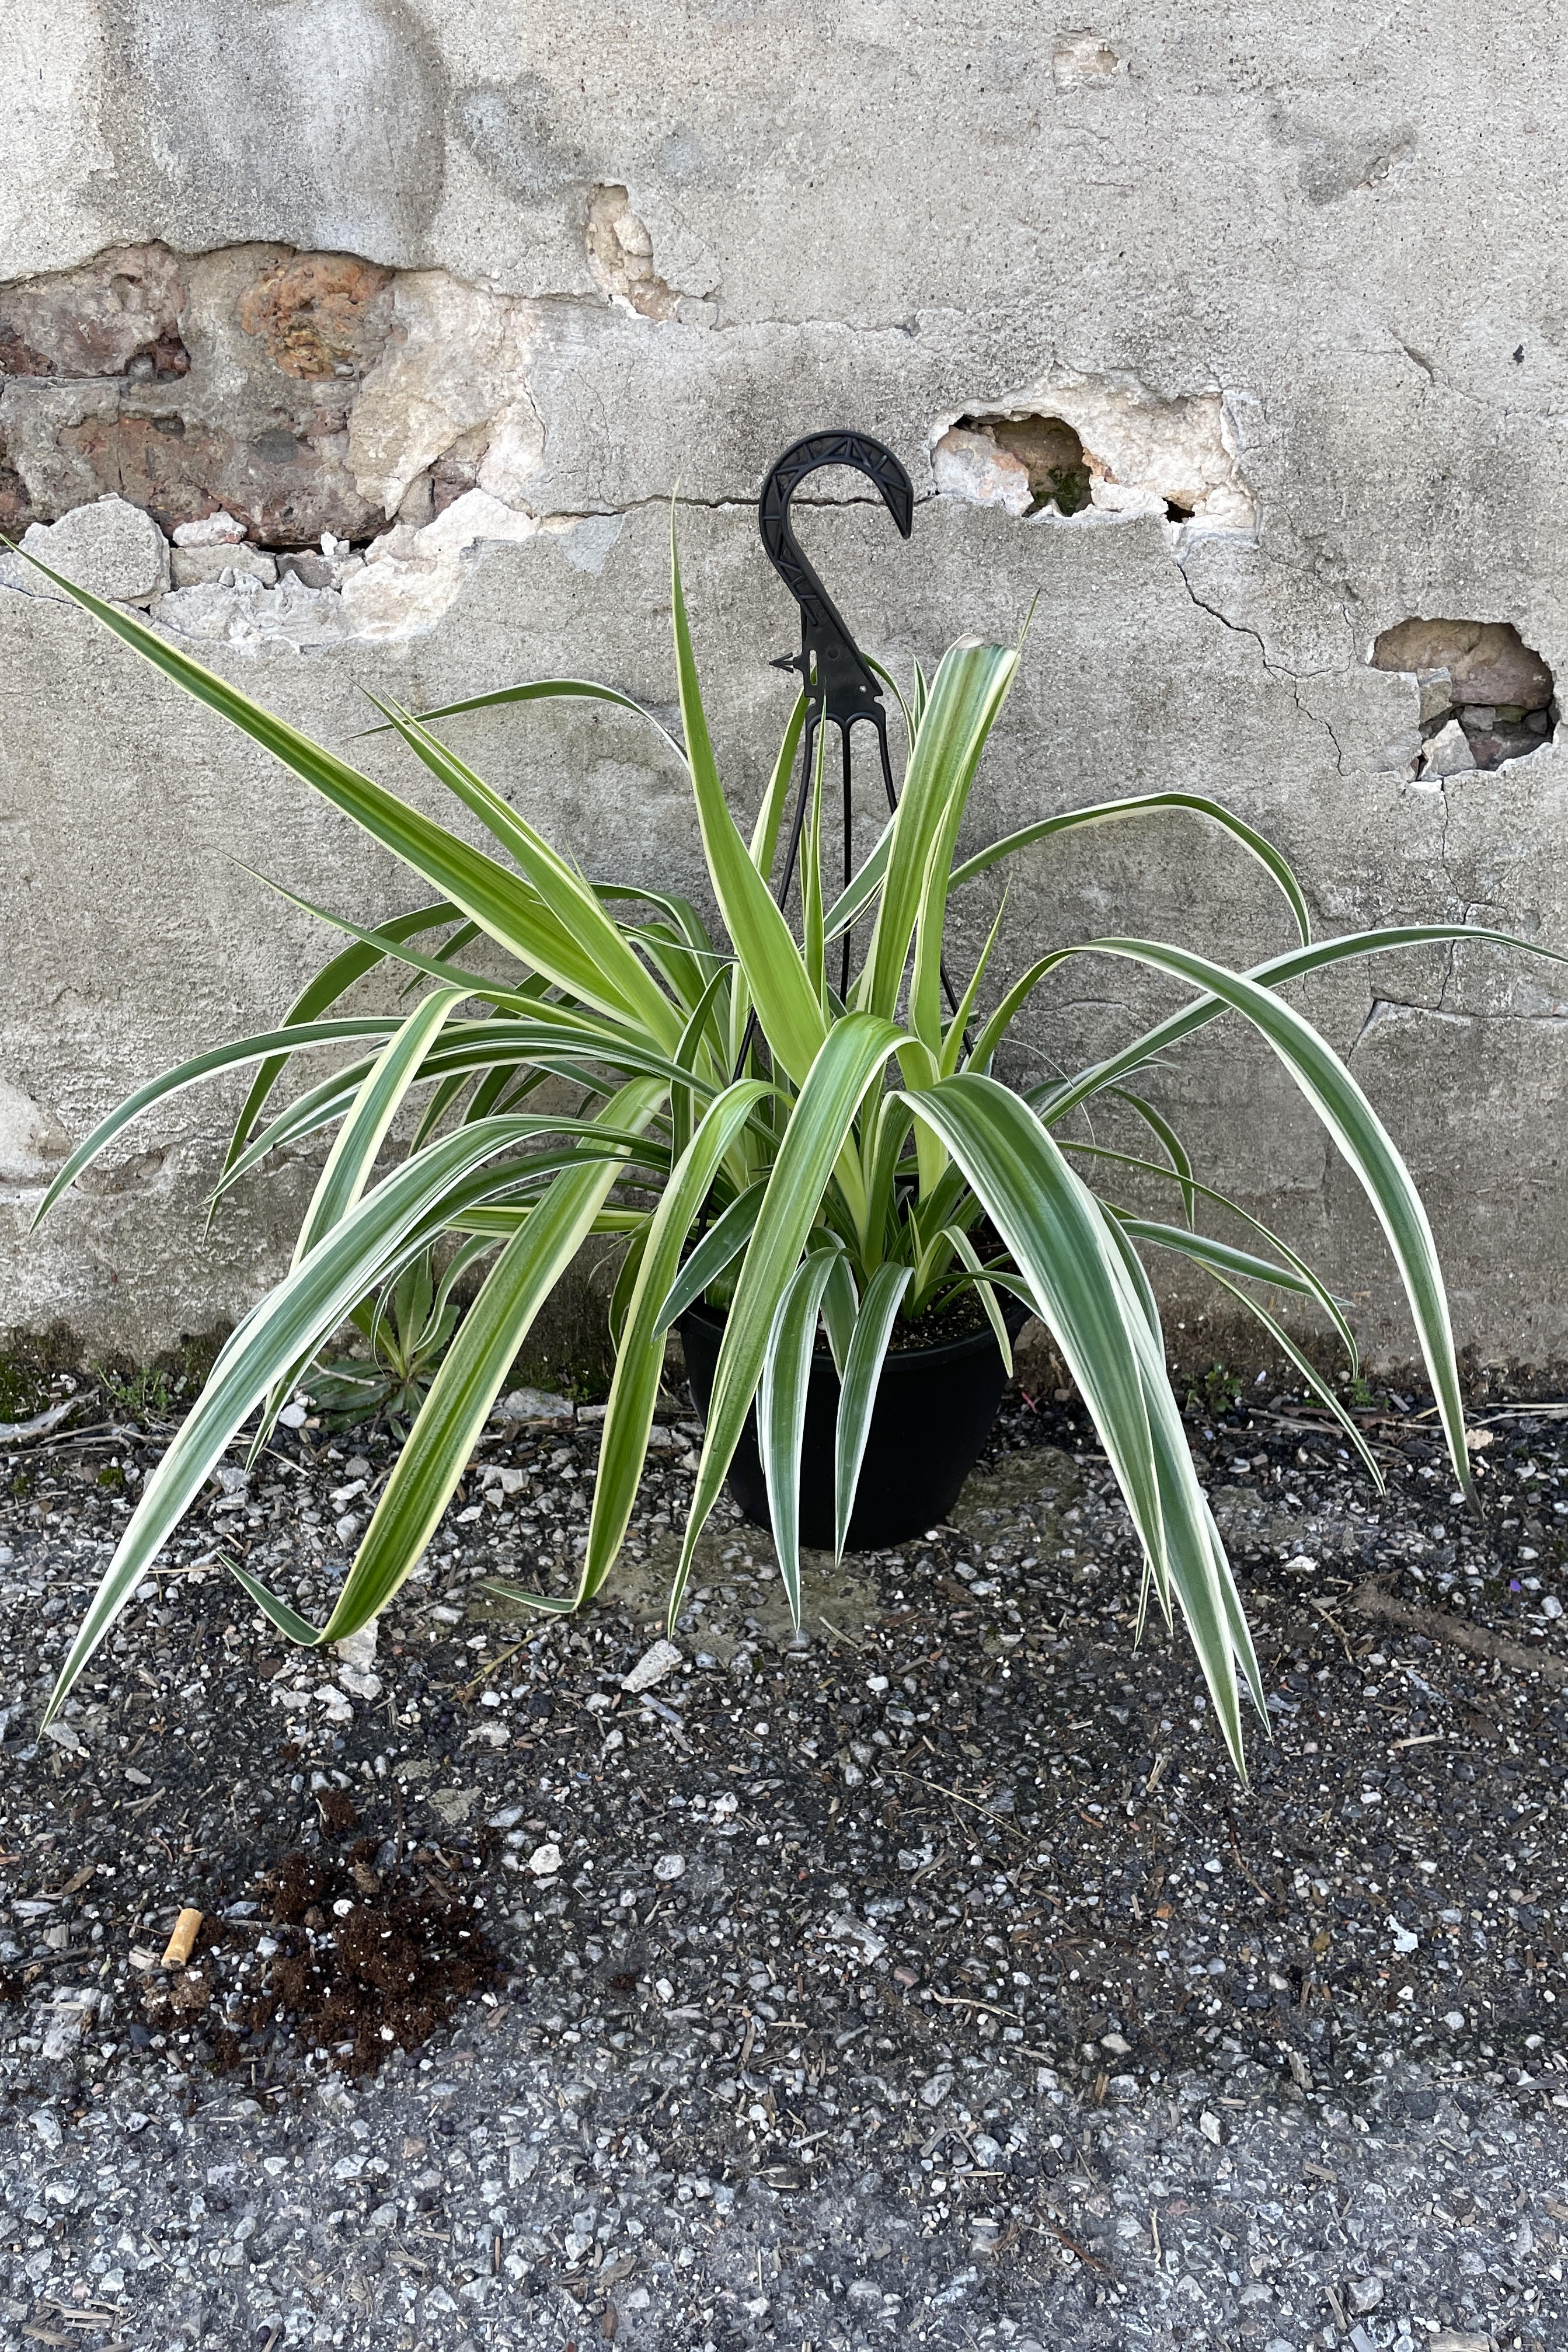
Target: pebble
(532, 1404)
(661, 1659)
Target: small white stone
(670, 1867)
(218, 529)
(845, 1928)
(531, 1404)
(544, 1861)
(1209, 2125)
(652, 1666)
(358, 1649)
(190, 566)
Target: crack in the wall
(1293, 678)
(1383, 1009)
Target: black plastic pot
(933, 1411)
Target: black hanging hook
(840, 683)
(835, 675)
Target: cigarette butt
(178, 1950)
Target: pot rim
(946, 1350)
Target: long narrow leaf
(273, 1043)
(1363, 1142)
(856, 1050)
(328, 987)
(968, 692)
(287, 1326)
(1196, 1570)
(1309, 1372)
(1311, 1282)
(376, 1105)
(780, 1411)
(639, 1358)
(585, 951)
(541, 689)
(468, 1381)
(719, 1246)
(966, 1250)
(497, 901)
(787, 1003)
(858, 1377)
(1148, 804)
(1056, 1098)
(1052, 1226)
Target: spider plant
(839, 1159)
(404, 1328)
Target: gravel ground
(932, 1977)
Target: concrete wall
(470, 291)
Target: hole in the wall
(1036, 461)
(1068, 443)
(1485, 696)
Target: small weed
(1218, 1394)
(142, 1393)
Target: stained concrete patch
(735, 1597)
(1030, 1489)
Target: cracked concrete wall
(363, 341)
